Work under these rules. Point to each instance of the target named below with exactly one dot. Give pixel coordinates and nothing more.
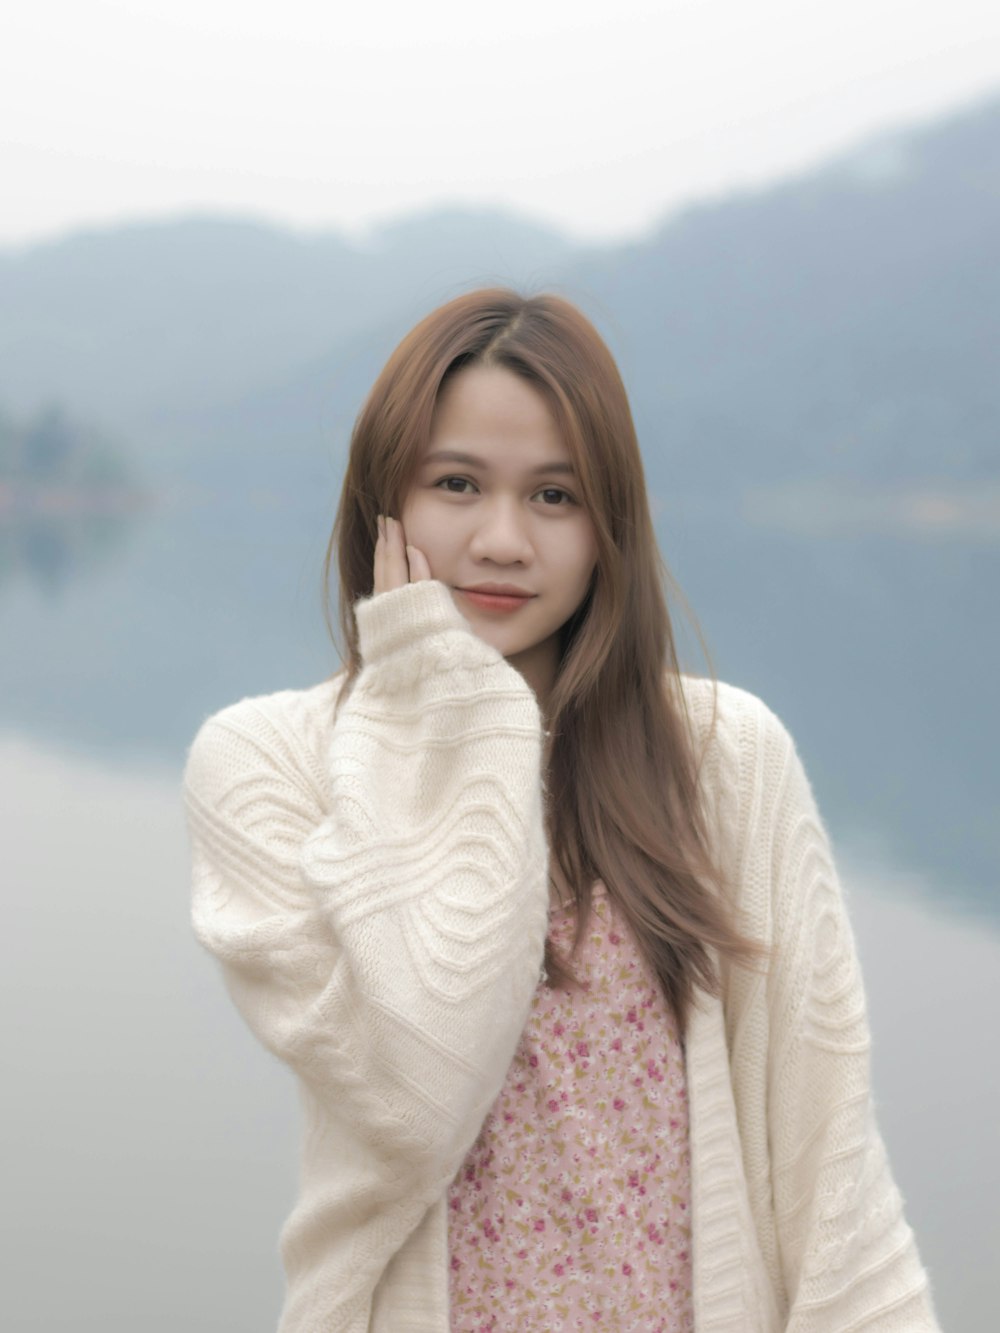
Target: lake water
(152, 1144)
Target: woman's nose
(501, 532)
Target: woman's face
(509, 512)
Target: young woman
(550, 932)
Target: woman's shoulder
(729, 716)
(758, 794)
(280, 733)
(748, 761)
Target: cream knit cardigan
(376, 893)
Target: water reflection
(851, 640)
(148, 1123)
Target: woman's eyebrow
(453, 456)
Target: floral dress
(572, 1209)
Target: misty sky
(599, 118)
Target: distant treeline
(52, 449)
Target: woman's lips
(494, 601)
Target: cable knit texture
(376, 895)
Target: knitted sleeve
(848, 1258)
(379, 910)
(433, 865)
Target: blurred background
(218, 221)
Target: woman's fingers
(419, 568)
(396, 564)
(380, 557)
(385, 575)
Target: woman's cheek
(412, 518)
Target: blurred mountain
(153, 322)
(843, 325)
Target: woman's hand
(396, 564)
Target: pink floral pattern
(572, 1209)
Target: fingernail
(381, 526)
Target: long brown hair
(620, 762)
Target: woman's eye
(546, 490)
(462, 480)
